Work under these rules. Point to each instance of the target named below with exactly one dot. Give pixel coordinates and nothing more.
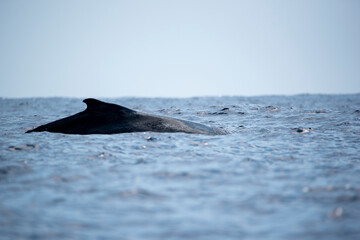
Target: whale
(107, 118)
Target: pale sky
(76, 48)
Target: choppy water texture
(289, 169)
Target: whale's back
(107, 118)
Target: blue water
(289, 169)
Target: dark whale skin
(107, 118)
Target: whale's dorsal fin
(97, 105)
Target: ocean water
(288, 169)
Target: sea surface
(288, 169)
